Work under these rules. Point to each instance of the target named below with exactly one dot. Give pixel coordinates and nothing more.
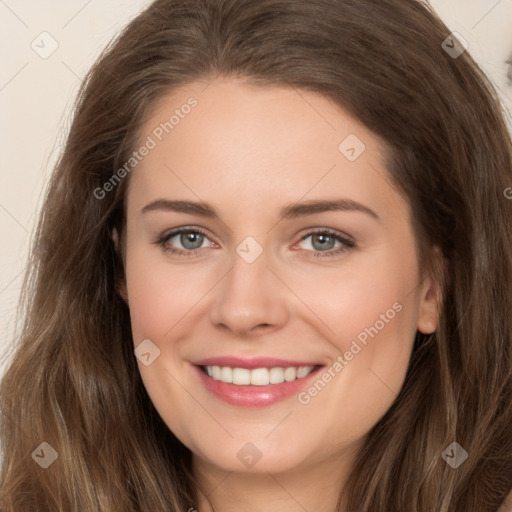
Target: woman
(272, 272)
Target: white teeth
(276, 375)
(216, 371)
(290, 374)
(302, 371)
(226, 374)
(257, 376)
(241, 376)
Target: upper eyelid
(185, 229)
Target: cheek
(368, 313)
(161, 302)
(373, 296)
(161, 294)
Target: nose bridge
(249, 296)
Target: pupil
(324, 241)
(189, 240)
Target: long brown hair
(74, 383)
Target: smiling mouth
(257, 376)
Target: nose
(250, 299)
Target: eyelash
(348, 244)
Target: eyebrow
(291, 211)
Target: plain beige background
(37, 90)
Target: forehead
(248, 144)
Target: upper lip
(256, 362)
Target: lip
(251, 396)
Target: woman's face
(297, 276)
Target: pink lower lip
(254, 396)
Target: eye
(184, 241)
(326, 243)
(188, 241)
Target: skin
(249, 151)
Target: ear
(431, 297)
(120, 280)
(428, 312)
